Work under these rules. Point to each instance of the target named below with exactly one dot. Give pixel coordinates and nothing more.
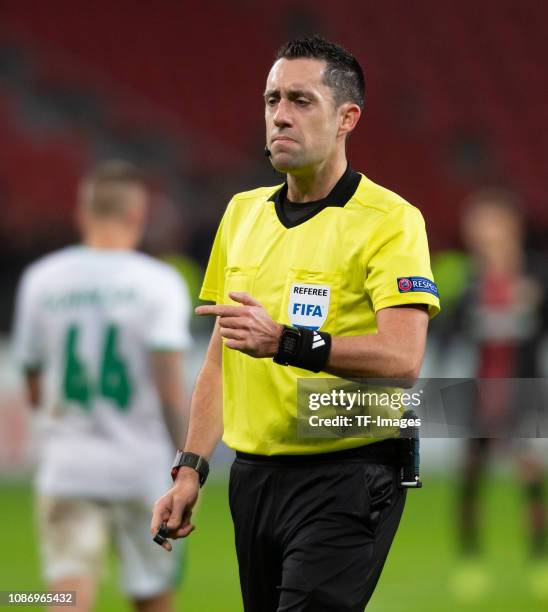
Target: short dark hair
(343, 73)
(497, 197)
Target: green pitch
(416, 578)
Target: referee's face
(302, 120)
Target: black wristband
(303, 348)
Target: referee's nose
(282, 116)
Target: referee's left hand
(247, 328)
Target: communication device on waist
(410, 454)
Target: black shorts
(312, 535)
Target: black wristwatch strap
(303, 348)
(196, 462)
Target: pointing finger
(220, 310)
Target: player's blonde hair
(103, 191)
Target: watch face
(291, 338)
(290, 343)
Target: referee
(325, 275)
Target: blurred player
(504, 312)
(99, 332)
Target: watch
(183, 459)
(289, 346)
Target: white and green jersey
(88, 319)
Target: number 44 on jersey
(114, 382)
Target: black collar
(339, 196)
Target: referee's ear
(349, 115)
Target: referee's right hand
(175, 507)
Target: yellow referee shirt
(366, 249)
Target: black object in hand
(161, 534)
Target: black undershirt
(297, 212)
(291, 214)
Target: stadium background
(456, 98)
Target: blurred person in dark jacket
(504, 313)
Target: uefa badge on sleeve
(404, 285)
(308, 305)
(420, 284)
